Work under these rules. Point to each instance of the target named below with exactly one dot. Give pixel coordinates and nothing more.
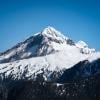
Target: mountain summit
(43, 43)
(47, 53)
(53, 33)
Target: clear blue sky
(77, 19)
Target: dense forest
(84, 89)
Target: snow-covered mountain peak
(43, 43)
(53, 33)
(44, 53)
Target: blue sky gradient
(77, 19)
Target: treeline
(85, 89)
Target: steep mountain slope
(39, 44)
(83, 69)
(46, 54)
